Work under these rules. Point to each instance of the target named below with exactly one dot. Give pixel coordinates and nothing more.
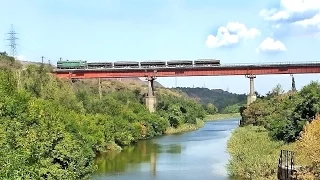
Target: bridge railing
(271, 63)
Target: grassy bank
(215, 117)
(113, 147)
(185, 128)
(251, 159)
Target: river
(193, 155)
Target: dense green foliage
(52, 129)
(8, 62)
(231, 109)
(250, 158)
(284, 114)
(179, 110)
(221, 99)
(278, 120)
(211, 109)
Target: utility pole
(19, 79)
(12, 39)
(100, 93)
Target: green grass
(253, 154)
(185, 128)
(221, 116)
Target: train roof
(63, 61)
(100, 63)
(126, 62)
(179, 61)
(214, 60)
(152, 62)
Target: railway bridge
(184, 68)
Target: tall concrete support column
(151, 99)
(251, 96)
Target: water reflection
(195, 155)
(132, 156)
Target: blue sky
(247, 31)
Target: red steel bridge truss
(221, 70)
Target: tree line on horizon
(223, 101)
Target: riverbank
(113, 147)
(249, 157)
(215, 117)
(185, 128)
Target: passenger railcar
(97, 65)
(126, 64)
(177, 63)
(149, 64)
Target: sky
(246, 31)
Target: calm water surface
(197, 155)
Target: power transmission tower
(12, 38)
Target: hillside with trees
(224, 101)
(52, 128)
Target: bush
(250, 158)
(235, 108)
(308, 150)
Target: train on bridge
(134, 64)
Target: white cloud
(314, 21)
(302, 13)
(271, 45)
(231, 34)
(300, 5)
(274, 15)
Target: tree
(235, 108)
(3, 54)
(275, 91)
(308, 150)
(211, 109)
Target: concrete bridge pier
(251, 96)
(151, 99)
